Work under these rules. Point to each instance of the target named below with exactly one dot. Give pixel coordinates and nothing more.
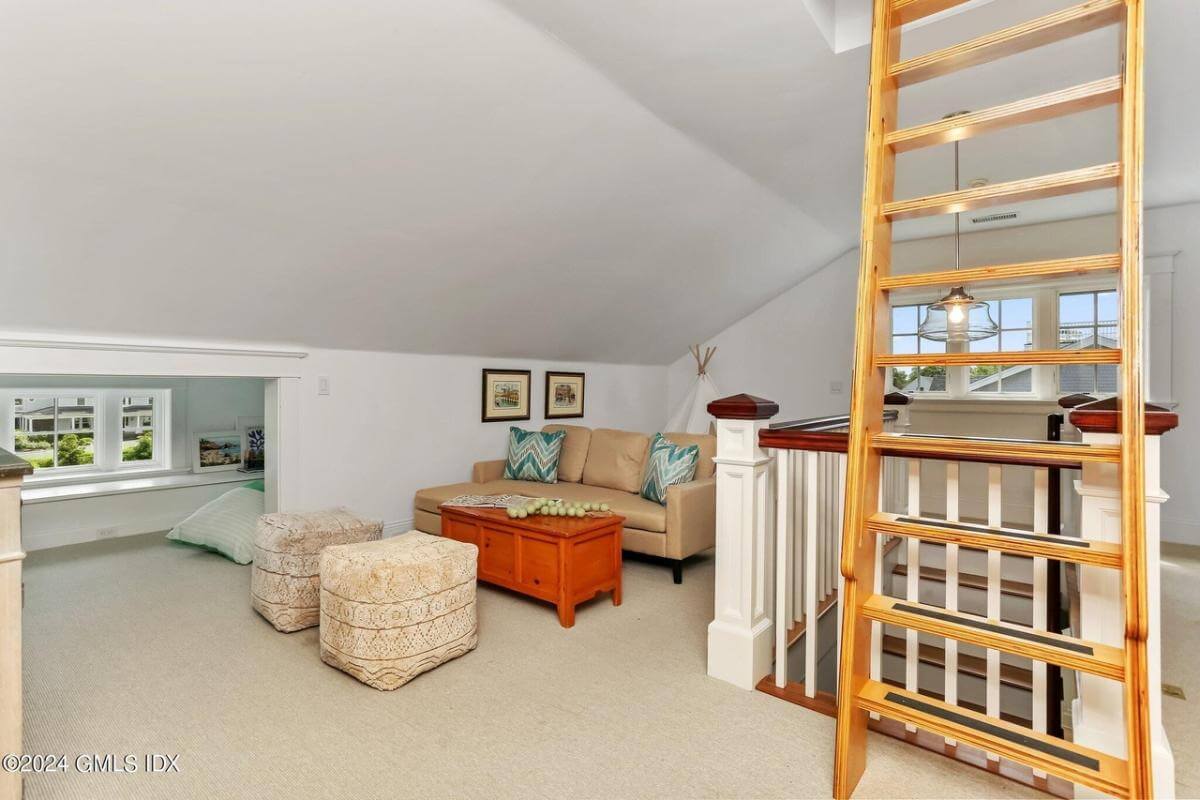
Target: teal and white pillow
(667, 464)
(533, 455)
(225, 525)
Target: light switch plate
(836, 387)
(323, 384)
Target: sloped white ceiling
(561, 179)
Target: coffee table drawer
(539, 567)
(498, 555)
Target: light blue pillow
(667, 464)
(225, 525)
(533, 455)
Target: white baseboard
(396, 528)
(1180, 531)
(58, 538)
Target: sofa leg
(677, 571)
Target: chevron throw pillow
(533, 455)
(667, 464)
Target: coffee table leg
(566, 613)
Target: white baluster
(837, 558)
(995, 478)
(913, 582)
(951, 645)
(785, 497)
(826, 526)
(811, 504)
(1041, 524)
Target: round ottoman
(395, 608)
(284, 582)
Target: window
(1015, 318)
(1087, 320)
(105, 431)
(59, 428)
(905, 321)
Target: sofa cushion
(638, 512)
(667, 464)
(574, 451)
(429, 499)
(533, 455)
(708, 450)
(615, 459)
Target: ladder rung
(1054, 27)
(1059, 757)
(906, 11)
(1005, 272)
(1006, 540)
(1104, 176)
(1035, 109)
(1091, 657)
(1026, 452)
(1003, 358)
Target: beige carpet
(136, 645)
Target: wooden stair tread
(1052, 648)
(1061, 103)
(1001, 358)
(1010, 674)
(1074, 762)
(1064, 24)
(1024, 452)
(1007, 540)
(905, 11)
(1086, 179)
(1005, 272)
(970, 580)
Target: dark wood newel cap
(743, 406)
(897, 399)
(1073, 400)
(1104, 416)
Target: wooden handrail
(1104, 416)
(818, 434)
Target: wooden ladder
(858, 695)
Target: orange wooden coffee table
(565, 560)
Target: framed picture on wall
(254, 444)
(505, 395)
(564, 395)
(216, 451)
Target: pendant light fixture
(958, 317)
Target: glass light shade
(958, 317)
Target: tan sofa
(605, 466)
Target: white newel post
(1098, 712)
(739, 637)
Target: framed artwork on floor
(254, 444)
(505, 395)
(564, 395)
(217, 451)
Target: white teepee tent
(692, 415)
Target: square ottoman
(285, 584)
(395, 608)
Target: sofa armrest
(691, 517)
(487, 471)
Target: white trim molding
(139, 347)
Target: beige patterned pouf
(395, 608)
(285, 585)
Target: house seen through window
(1087, 320)
(107, 431)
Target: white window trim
(1045, 337)
(106, 432)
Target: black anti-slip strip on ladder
(995, 730)
(983, 625)
(1033, 537)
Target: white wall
(392, 423)
(792, 349)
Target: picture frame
(216, 451)
(564, 394)
(254, 444)
(505, 395)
